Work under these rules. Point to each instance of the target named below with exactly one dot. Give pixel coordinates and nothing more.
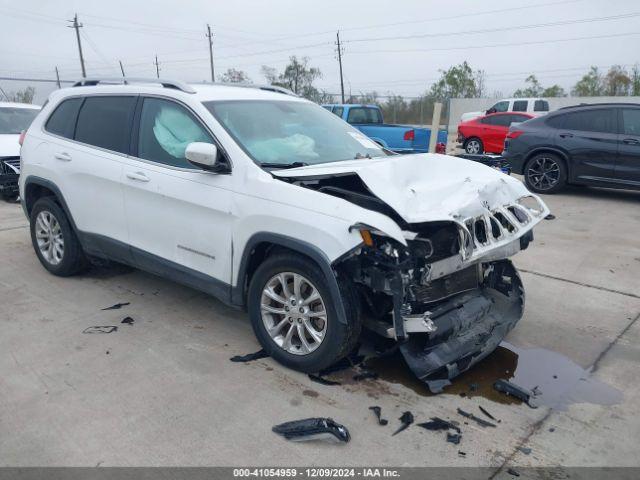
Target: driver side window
(166, 129)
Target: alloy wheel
(543, 173)
(473, 147)
(293, 313)
(49, 237)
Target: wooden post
(435, 126)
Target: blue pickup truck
(398, 138)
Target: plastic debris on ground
(511, 471)
(454, 437)
(249, 357)
(378, 413)
(525, 450)
(438, 423)
(127, 320)
(117, 306)
(101, 329)
(509, 388)
(484, 410)
(322, 380)
(478, 420)
(309, 429)
(406, 419)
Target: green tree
(554, 91)
(590, 85)
(297, 76)
(617, 82)
(635, 80)
(234, 76)
(22, 96)
(533, 88)
(459, 81)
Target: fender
(238, 291)
(48, 184)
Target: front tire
(293, 314)
(53, 239)
(545, 173)
(474, 146)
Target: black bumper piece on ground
(469, 327)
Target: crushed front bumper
(466, 328)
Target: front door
(628, 166)
(179, 217)
(590, 138)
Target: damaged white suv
(268, 201)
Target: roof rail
(270, 88)
(174, 84)
(603, 104)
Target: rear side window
(600, 120)
(519, 118)
(541, 106)
(498, 120)
(520, 106)
(364, 115)
(63, 119)
(557, 121)
(106, 122)
(631, 121)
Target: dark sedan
(595, 145)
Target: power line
(499, 29)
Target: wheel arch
(263, 244)
(38, 187)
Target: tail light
(21, 139)
(410, 135)
(514, 134)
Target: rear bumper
(515, 161)
(468, 327)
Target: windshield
(282, 133)
(14, 120)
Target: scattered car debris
(478, 420)
(101, 329)
(454, 437)
(483, 410)
(117, 306)
(552, 429)
(313, 429)
(462, 454)
(525, 450)
(321, 380)
(551, 216)
(349, 361)
(378, 413)
(438, 423)
(365, 375)
(128, 320)
(536, 391)
(511, 471)
(509, 388)
(249, 357)
(406, 419)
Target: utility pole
(57, 77)
(340, 63)
(75, 25)
(121, 67)
(157, 67)
(210, 37)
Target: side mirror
(204, 156)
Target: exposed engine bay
(448, 294)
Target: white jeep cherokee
(268, 201)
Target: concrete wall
(458, 106)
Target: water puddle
(560, 381)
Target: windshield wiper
(283, 165)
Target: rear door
(590, 138)
(495, 128)
(628, 166)
(179, 217)
(89, 142)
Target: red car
(486, 134)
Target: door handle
(566, 135)
(138, 176)
(631, 141)
(64, 156)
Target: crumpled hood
(426, 187)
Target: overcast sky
(248, 34)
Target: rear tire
(545, 173)
(288, 326)
(474, 146)
(53, 239)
